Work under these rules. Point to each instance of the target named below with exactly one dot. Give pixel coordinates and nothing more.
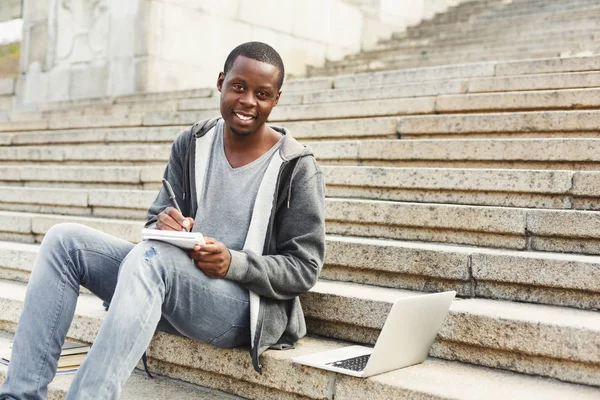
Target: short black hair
(258, 51)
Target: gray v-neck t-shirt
(225, 209)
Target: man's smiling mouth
(244, 117)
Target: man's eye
(238, 87)
(263, 95)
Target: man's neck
(241, 150)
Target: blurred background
(71, 49)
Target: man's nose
(248, 99)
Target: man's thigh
(95, 256)
(214, 311)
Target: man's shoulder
(307, 164)
(199, 129)
(290, 148)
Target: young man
(258, 197)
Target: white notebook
(185, 240)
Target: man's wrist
(238, 266)
(228, 264)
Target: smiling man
(255, 193)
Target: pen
(171, 194)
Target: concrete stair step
(466, 54)
(366, 108)
(532, 277)
(540, 8)
(197, 103)
(565, 99)
(501, 227)
(446, 97)
(138, 386)
(147, 134)
(384, 127)
(422, 62)
(488, 40)
(407, 76)
(432, 88)
(370, 108)
(534, 82)
(501, 152)
(575, 49)
(180, 358)
(499, 20)
(460, 86)
(537, 123)
(548, 65)
(162, 98)
(78, 176)
(190, 111)
(540, 153)
(519, 101)
(100, 202)
(31, 227)
(497, 40)
(543, 124)
(138, 154)
(526, 338)
(477, 49)
(471, 70)
(497, 187)
(91, 187)
(508, 56)
(458, 37)
(471, 27)
(377, 115)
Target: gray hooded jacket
(289, 246)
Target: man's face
(248, 94)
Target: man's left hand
(213, 258)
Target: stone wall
(75, 49)
(10, 9)
(194, 37)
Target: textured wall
(195, 36)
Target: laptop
(407, 335)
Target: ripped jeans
(158, 285)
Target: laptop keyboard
(354, 364)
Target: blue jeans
(147, 285)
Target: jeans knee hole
(150, 254)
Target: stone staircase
(484, 30)
(480, 178)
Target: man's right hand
(172, 220)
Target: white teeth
(243, 117)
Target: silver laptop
(406, 337)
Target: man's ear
(220, 81)
(277, 98)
